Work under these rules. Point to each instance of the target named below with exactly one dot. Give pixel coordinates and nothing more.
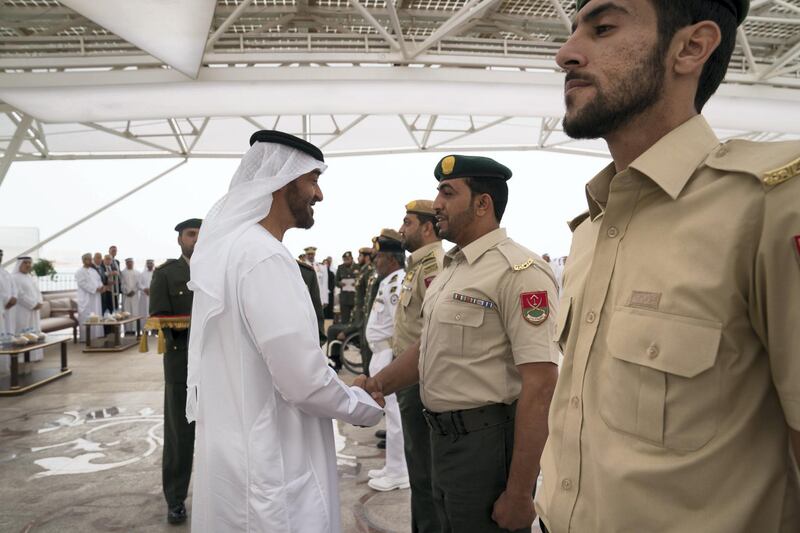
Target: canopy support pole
(95, 213)
(13, 146)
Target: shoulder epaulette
(165, 263)
(305, 265)
(575, 222)
(772, 163)
(429, 263)
(517, 256)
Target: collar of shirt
(419, 253)
(188, 260)
(669, 163)
(477, 248)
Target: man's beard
(299, 208)
(187, 251)
(621, 103)
(411, 242)
(458, 221)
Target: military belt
(469, 420)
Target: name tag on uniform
(472, 300)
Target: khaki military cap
(310, 249)
(366, 250)
(738, 7)
(420, 207)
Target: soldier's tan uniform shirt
(680, 323)
(423, 266)
(474, 329)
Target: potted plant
(44, 267)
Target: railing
(59, 282)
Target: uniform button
(458, 317)
(576, 402)
(652, 351)
(566, 484)
(180, 292)
(590, 317)
(174, 347)
(612, 232)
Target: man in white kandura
(130, 292)
(390, 261)
(90, 287)
(29, 301)
(259, 386)
(8, 299)
(145, 277)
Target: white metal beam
(396, 26)
(233, 17)
(748, 52)
(471, 131)
(790, 55)
(95, 212)
(562, 14)
(364, 12)
(787, 5)
(11, 150)
(176, 132)
(129, 136)
(470, 10)
(339, 132)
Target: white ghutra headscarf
(265, 168)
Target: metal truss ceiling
(47, 46)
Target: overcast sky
(362, 195)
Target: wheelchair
(350, 352)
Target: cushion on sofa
(45, 310)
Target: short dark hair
(423, 219)
(676, 14)
(497, 189)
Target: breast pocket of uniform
(180, 297)
(460, 323)
(562, 324)
(660, 382)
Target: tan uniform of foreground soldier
(678, 405)
(486, 360)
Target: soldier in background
(342, 330)
(346, 281)
(420, 237)
(169, 296)
(309, 276)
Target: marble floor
(83, 454)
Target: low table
(120, 343)
(15, 384)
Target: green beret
(347, 255)
(739, 8)
(470, 166)
(190, 223)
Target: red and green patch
(535, 307)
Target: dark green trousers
(176, 461)
(417, 438)
(469, 473)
